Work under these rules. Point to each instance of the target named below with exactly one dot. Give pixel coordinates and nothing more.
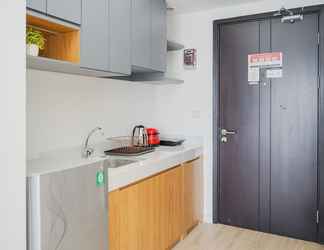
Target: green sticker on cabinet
(100, 178)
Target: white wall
(12, 126)
(188, 108)
(63, 108)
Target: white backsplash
(62, 109)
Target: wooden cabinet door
(68, 10)
(193, 195)
(148, 214)
(132, 217)
(169, 208)
(114, 220)
(38, 5)
(137, 224)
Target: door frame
(319, 9)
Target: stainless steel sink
(116, 163)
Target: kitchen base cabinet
(114, 220)
(137, 216)
(155, 213)
(193, 193)
(169, 208)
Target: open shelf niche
(62, 41)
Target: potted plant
(34, 41)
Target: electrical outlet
(195, 114)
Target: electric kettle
(139, 137)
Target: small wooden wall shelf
(62, 42)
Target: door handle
(225, 132)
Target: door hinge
(317, 217)
(318, 38)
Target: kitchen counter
(146, 165)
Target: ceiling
(185, 6)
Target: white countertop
(146, 165)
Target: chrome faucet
(88, 151)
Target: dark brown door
(239, 105)
(294, 130)
(268, 167)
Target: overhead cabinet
(38, 5)
(66, 10)
(159, 35)
(149, 42)
(100, 46)
(141, 34)
(105, 35)
(103, 38)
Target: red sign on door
(273, 59)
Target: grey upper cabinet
(105, 35)
(68, 10)
(38, 5)
(95, 35)
(149, 42)
(120, 36)
(159, 35)
(141, 34)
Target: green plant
(35, 37)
